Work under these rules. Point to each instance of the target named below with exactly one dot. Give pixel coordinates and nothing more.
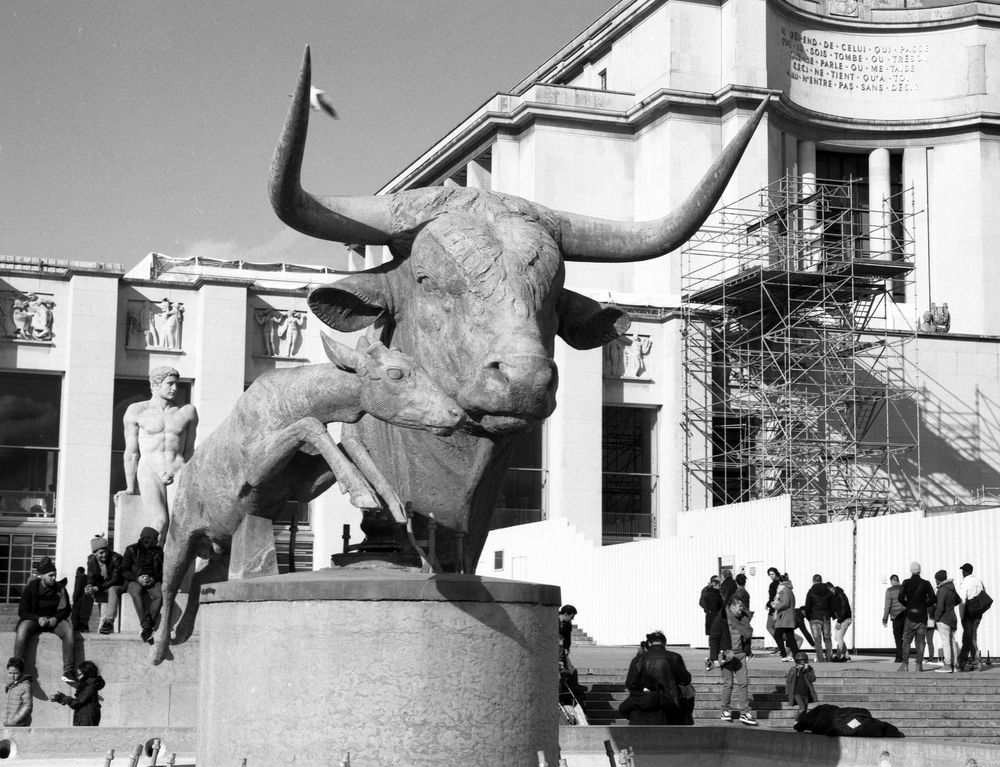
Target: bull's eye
(394, 374)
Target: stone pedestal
(398, 668)
(252, 553)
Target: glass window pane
(29, 409)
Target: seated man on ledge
(44, 606)
(104, 581)
(142, 569)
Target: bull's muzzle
(516, 384)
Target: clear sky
(135, 126)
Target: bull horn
(356, 220)
(596, 239)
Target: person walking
(916, 595)
(818, 612)
(772, 591)
(970, 590)
(843, 616)
(895, 612)
(946, 620)
(784, 620)
(711, 603)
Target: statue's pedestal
(398, 668)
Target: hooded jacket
(841, 605)
(86, 704)
(947, 601)
(114, 571)
(784, 608)
(818, 602)
(19, 703)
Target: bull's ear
(344, 357)
(350, 304)
(585, 324)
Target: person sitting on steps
(142, 569)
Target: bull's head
(475, 291)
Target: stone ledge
(368, 585)
(62, 742)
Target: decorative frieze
(154, 325)
(279, 332)
(26, 316)
(627, 357)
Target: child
(86, 704)
(19, 700)
(799, 683)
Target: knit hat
(45, 565)
(149, 532)
(98, 542)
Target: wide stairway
(925, 705)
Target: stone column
(880, 215)
(478, 175)
(810, 222)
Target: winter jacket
(947, 601)
(810, 677)
(711, 603)
(114, 568)
(726, 589)
(784, 608)
(740, 633)
(744, 596)
(652, 683)
(86, 704)
(917, 596)
(139, 561)
(37, 603)
(893, 607)
(841, 605)
(772, 592)
(19, 703)
(818, 600)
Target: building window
(522, 493)
(498, 560)
(18, 553)
(628, 483)
(851, 217)
(127, 392)
(602, 79)
(29, 447)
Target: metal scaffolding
(795, 381)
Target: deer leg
(363, 460)
(178, 554)
(269, 455)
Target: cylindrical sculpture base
(395, 667)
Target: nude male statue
(159, 440)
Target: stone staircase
(927, 705)
(581, 637)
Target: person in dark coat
(711, 603)
(818, 612)
(842, 619)
(142, 571)
(895, 612)
(45, 607)
(653, 681)
(946, 620)
(917, 596)
(105, 583)
(772, 591)
(728, 586)
(86, 704)
(799, 683)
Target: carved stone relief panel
(628, 357)
(154, 325)
(26, 316)
(280, 331)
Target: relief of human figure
(614, 357)
(22, 315)
(159, 440)
(41, 318)
(635, 356)
(268, 321)
(148, 326)
(291, 332)
(170, 317)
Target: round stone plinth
(395, 667)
